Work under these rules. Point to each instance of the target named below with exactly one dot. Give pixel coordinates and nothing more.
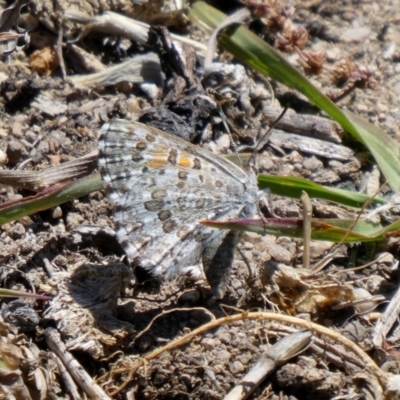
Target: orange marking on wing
(157, 163)
(185, 162)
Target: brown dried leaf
(33, 180)
(44, 61)
(10, 355)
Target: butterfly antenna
(233, 144)
(264, 140)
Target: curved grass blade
(293, 187)
(50, 197)
(17, 293)
(332, 230)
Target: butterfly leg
(217, 262)
(265, 197)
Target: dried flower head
(291, 38)
(270, 12)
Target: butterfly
(161, 188)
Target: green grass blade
(17, 293)
(385, 150)
(332, 230)
(50, 197)
(293, 187)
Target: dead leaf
(44, 61)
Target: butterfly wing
(161, 187)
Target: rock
(16, 231)
(358, 35)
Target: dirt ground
(124, 328)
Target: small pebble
(3, 158)
(16, 152)
(224, 337)
(236, 367)
(251, 237)
(74, 219)
(190, 297)
(16, 231)
(362, 294)
(312, 164)
(26, 221)
(57, 212)
(358, 35)
(26, 246)
(223, 357)
(354, 331)
(223, 143)
(279, 253)
(209, 343)
(21, 314)
(30, 136)
(236, 283)
(285, 170)
(266, 164)
(295, 157)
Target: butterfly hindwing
(161, 187)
